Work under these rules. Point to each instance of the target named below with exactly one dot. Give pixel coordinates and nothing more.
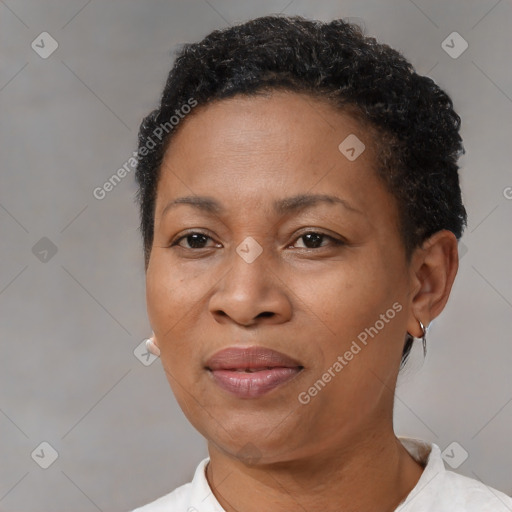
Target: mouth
(251, 372)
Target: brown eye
(195, 240)
(313, 239)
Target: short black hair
(414, 127)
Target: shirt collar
(429, 456)
(201, 496)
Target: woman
(300, 212)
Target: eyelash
(334, 241)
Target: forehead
(250, 149)
(282, 123)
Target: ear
(434, 266)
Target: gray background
(71, 322)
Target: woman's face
(251, 277)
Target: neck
(374, 473)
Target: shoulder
(441, 490)
(470, 495)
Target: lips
(249, 358)
(251, 372)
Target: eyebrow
(281, 207)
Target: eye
(313, 239)
(195, 239)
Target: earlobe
(435, 266)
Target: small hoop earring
(424, 338)
(150, 345)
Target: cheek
(176, 309)
(169, 303)
(169, 296)
(349, 301)
(158, 295)
(346, 298)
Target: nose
(251, 293)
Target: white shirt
(437, 490)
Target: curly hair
(410, 118)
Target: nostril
(266, 313)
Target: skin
(338, 452)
